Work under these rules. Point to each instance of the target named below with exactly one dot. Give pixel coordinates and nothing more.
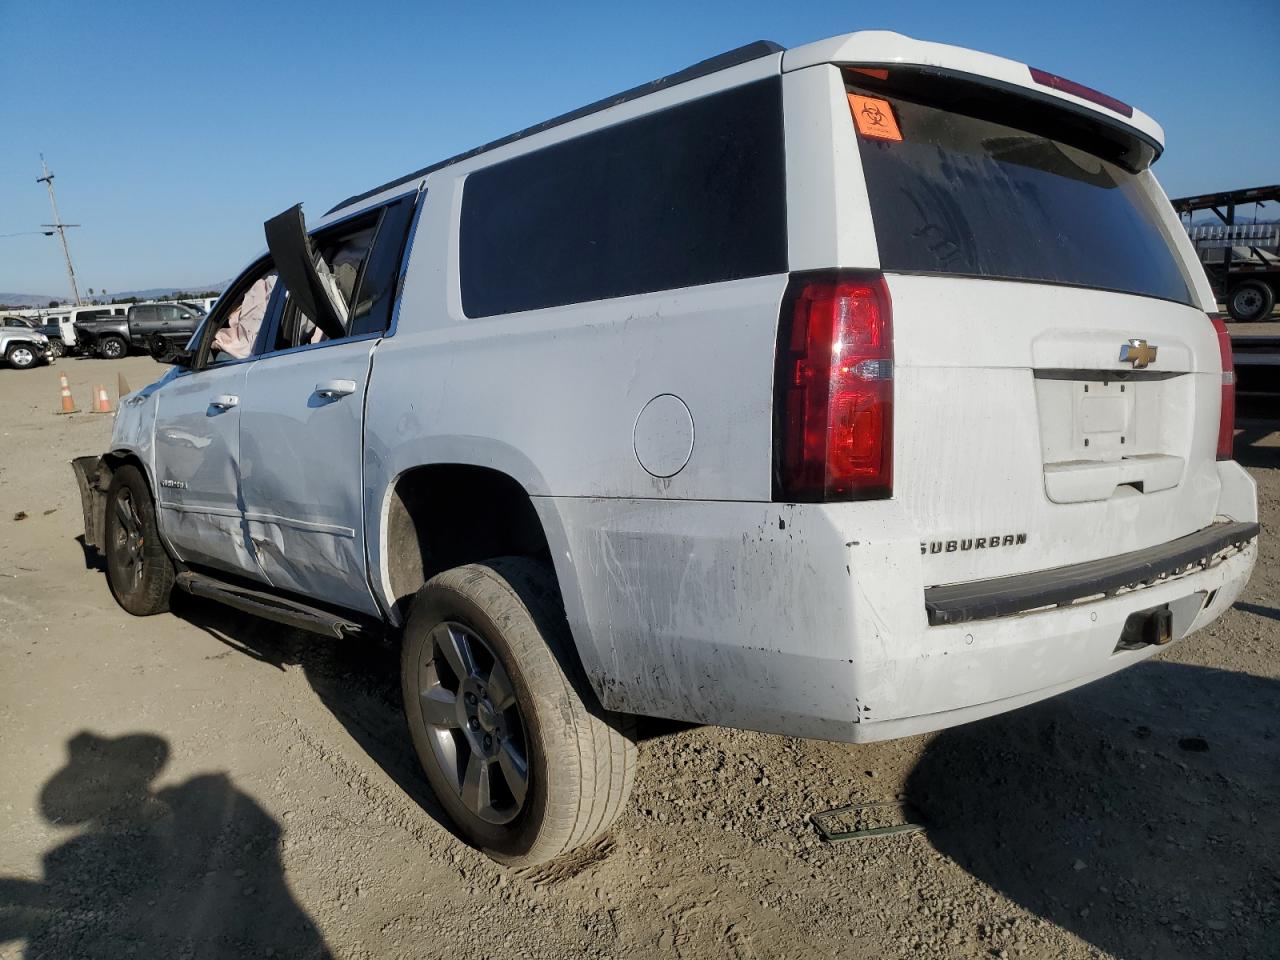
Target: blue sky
(175, 129)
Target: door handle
(333, 389)
(225, 402)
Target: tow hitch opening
(1147, 628)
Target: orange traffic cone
(102, 403)
(68, 404)
(122, 386)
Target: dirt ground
(203, 784)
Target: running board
(269, 606)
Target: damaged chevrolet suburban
(847, 391)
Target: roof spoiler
(883, 49)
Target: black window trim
(1039, 282)
(230, 299)
(212, 321)
(378, 213)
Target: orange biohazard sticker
(874, 118)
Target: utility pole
(61, 227)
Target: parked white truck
(847, 391)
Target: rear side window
(690, 195)
(974, 197)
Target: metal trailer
(1242, 260)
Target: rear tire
(112, 348)
(139, 570)
(21, 356)
(520, 685)
(1251, 300)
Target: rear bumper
(975, 670)
(1006, 596)
(810, 620)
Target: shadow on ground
(357, 680)
(1252, 448)
(186, 871)
(1139, 812)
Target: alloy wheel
(475, 726)
(129, 540)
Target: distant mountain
(26, 299)
(159, 293)
(152, 293)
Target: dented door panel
(301, 467)
(197, 444)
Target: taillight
(1227, 418)
(833, 386)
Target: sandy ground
(203, 784)
(1269, 328)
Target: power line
(60, 227)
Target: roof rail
(723, 61)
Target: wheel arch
(438, 515)
(93, 477)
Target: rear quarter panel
(551, 397)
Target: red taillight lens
(833, 406)
(1055, 82)
(1227, 418)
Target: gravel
(202, 784)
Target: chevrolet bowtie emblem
(1138, 352)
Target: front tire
(112, 348)
(512, 739)
(21, 356)
(1251, 300)
(55, 350)
(139, 570)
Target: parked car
(113, 336)
(60, 330)
(23, 345)
(82, 327)
(849, 391)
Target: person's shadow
(191, 870)
(1138, 812)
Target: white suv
(848, 391)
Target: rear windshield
(972, 197)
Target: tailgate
(1025, 443)
(1057, 384)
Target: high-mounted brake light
(1046, 79)
(1227, 417)
(833, 383)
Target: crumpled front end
(93, 477)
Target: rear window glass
(973, 197)
(689, 195)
